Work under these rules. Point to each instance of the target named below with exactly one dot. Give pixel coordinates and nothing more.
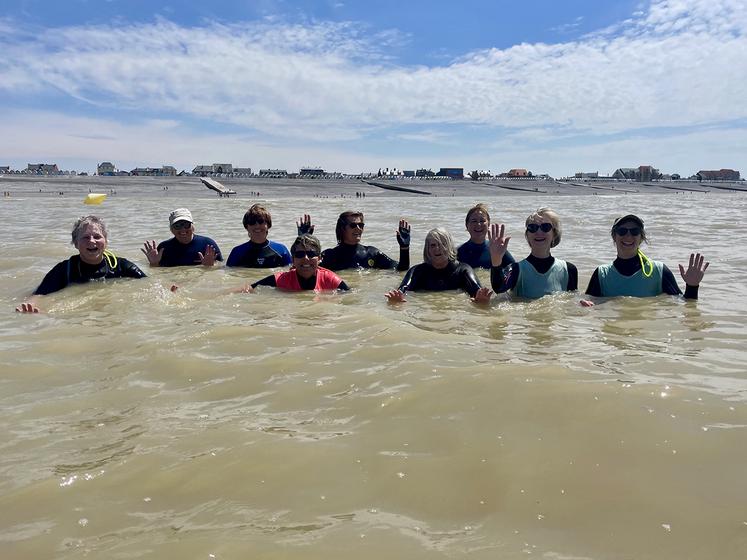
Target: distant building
(408, 173)
(4, 169)
(105, 168)
(720, 175)
(42, 169)
(519, 173)
(643, 173)
(273, 173)
(311, 172)
(451, 172)
(166, 170)
(582, 175)
(424, 173)
(220, 169)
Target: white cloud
(679, 63)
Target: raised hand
(27, 307)
(208, 259)
(483, 295)
(152, 253)
(403, 234)
(497, 243)
(695, 270)
(395, 296)
(304, 225)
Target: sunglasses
(253, 221)
(302, 254)
(623, 231)
(356, 225)
(182, 225)
(534, 228)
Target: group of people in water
(444, 266)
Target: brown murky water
(140, 423)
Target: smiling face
(437, 253)
(257, 229)
(627, 244)
(541, 240)
(183, 231)
(478, 224)
(91, 244)
(353, 230)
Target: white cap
(180, 215)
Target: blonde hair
(551, 216)
(444, 240)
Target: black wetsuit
(455, 276)
(361, 256)
(628, 267)
(75, 271)
(504, 278)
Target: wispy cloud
(679, 63)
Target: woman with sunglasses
(440, 271)
(305, 274)
(351, 253)
(634, 274)
(94, 262)
(259, 252)
(540, 273)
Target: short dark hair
(258, 211)
(342, 221)
(308, 242)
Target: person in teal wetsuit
(634, 274)
(540, 273)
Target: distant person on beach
(475, 251)
(350, 253)
(93, 262)
(440, 271)
(305, 274)
(184, 249)
(634, 274)
(259, 252)
(540, 273)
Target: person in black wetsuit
(259, 252)
(634, 274)
(440, 271)
(184, 249)
(350, 253)
(540, 273)
(94, 262)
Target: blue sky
(555, 87)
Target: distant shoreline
(351, 188)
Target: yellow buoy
(94, 198)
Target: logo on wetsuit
(371, 263)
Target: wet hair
(629, 218)
(480, 207)
(343, 220)
(307, 242)
(443, 238)
(552, 217)
(258, 211)
(83, 223)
